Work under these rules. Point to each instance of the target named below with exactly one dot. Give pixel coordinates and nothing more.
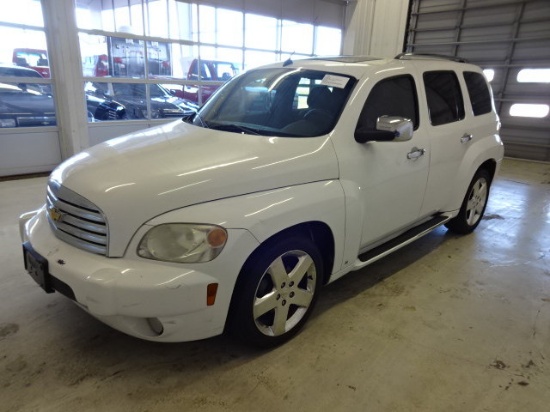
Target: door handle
(466, 138)
(415, 153)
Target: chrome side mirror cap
(402, 127)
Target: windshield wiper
(235, 128)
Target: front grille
(76, 220)
(112, 114)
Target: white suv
(291, 176)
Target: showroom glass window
(179, 53)
(26, 98)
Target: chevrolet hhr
(292, 175)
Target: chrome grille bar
(76, 211)
(84, 224)
(76, 220)
(82, 234)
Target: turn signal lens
(211, 291)
(217, 237)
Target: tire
(473, 206)
(276, 291)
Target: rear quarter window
(480, 97)
(444, 96)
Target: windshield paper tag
(335, 81)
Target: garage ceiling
(505, 36)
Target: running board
(400, 241)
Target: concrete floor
(447, 324)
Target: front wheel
(473, 206)
(276, 291)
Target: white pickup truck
(291, 176)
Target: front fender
(267, 213)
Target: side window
(395, 96)
(444, 97)
(205, 72)
(479, 93)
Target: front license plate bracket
(37, 266)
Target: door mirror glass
(388, 129)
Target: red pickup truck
(33, 59)
(205, 70)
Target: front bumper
(148, 299)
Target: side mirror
(400, 126)
(388, 129)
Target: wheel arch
(490, 166)
(470, 213)
(465, 176)
(318, 232)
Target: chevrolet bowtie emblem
(55, 214)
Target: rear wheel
(474, 204)
(276, 291)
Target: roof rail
(410, 56)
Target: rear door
(449, 135)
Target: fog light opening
(211, 291)
(155, 325)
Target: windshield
(278, 102)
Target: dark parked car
(25, 104)
(104, 109)
(133, 97)
(24, 107)
(16, 71)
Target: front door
(392, 175)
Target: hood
(135, 178)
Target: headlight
(183, 243)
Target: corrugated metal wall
(505, 36)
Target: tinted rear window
(479, 93)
